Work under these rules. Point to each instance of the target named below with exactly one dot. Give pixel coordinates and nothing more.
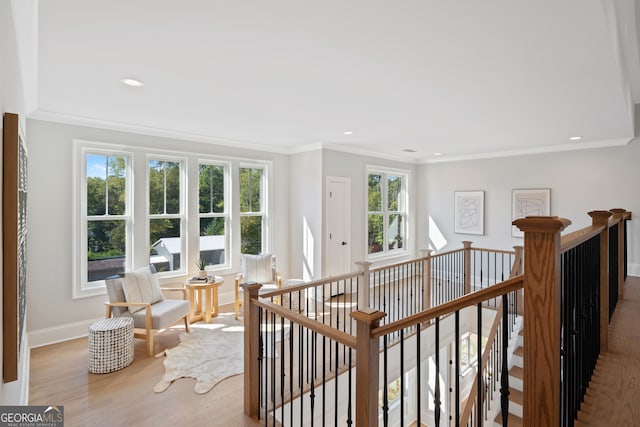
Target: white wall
(53, 314)
(354, 167)
(305, 233)
(580, 181)
(16, 19)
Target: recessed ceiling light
(348, 132)
(437, 154)
(131, 82)
(575, 138)
(408, 150)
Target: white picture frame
(529, 202)
(469, 212)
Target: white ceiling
(466, 78)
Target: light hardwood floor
(613, 396)
(59, 376)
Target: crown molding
(535, 150)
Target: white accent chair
(257, 269)
(138, 295)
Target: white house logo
(32, 416)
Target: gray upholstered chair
(138, 295)
(257, 269)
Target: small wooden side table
(207, 290)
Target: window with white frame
(252, 209)
(106, 218)
(108, 204)
(386, 212)
(166, 214)
(214, 213)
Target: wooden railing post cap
(369, 316)
(363, 264)
(600, 215)
(618, 211)
(252, 287)
(542, 224)
(426, 252)
(467, 244)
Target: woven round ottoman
(110, 344)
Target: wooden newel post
(467, 266)
(426, 278)
(251, 350)
(601, 218)
(542, 319)
(367, 367)
(619, 214)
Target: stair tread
(519, 351)
(516, 372)
(516, 396)
(513, 420)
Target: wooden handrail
(457, 304)
(325, 330)
(466, 413)
(399, 264)
(497, 251)
(572, 240)
(306, 285)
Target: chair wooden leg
(186, 323)
(149, 343)
(237, 303)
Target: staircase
(516, 375)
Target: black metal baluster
(291, 347)
(385, 385)
(336, 376)
(349, 406)
(436, 401)
(418, 377)
(402, 376)
(457, 366)
(261, 373)
(479, 369)
(282, 369)
(504, 376)
(324, 380)
(273, 366)
(312, 368)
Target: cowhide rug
(210, 353)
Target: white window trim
(182, 215)
(138, 236)
(395, 253)
(226, 214)
(265, 192)
(82, 288)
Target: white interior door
(338, 244)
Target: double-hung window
(252, 209)
(182, 207)
(386, 211)
(106, 216)
(166, 214)
(213, 211)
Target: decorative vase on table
(201, 264)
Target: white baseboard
(60, 333)
(633, 269)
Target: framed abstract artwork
(529, 202)
(469, 212)
(14, 244)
